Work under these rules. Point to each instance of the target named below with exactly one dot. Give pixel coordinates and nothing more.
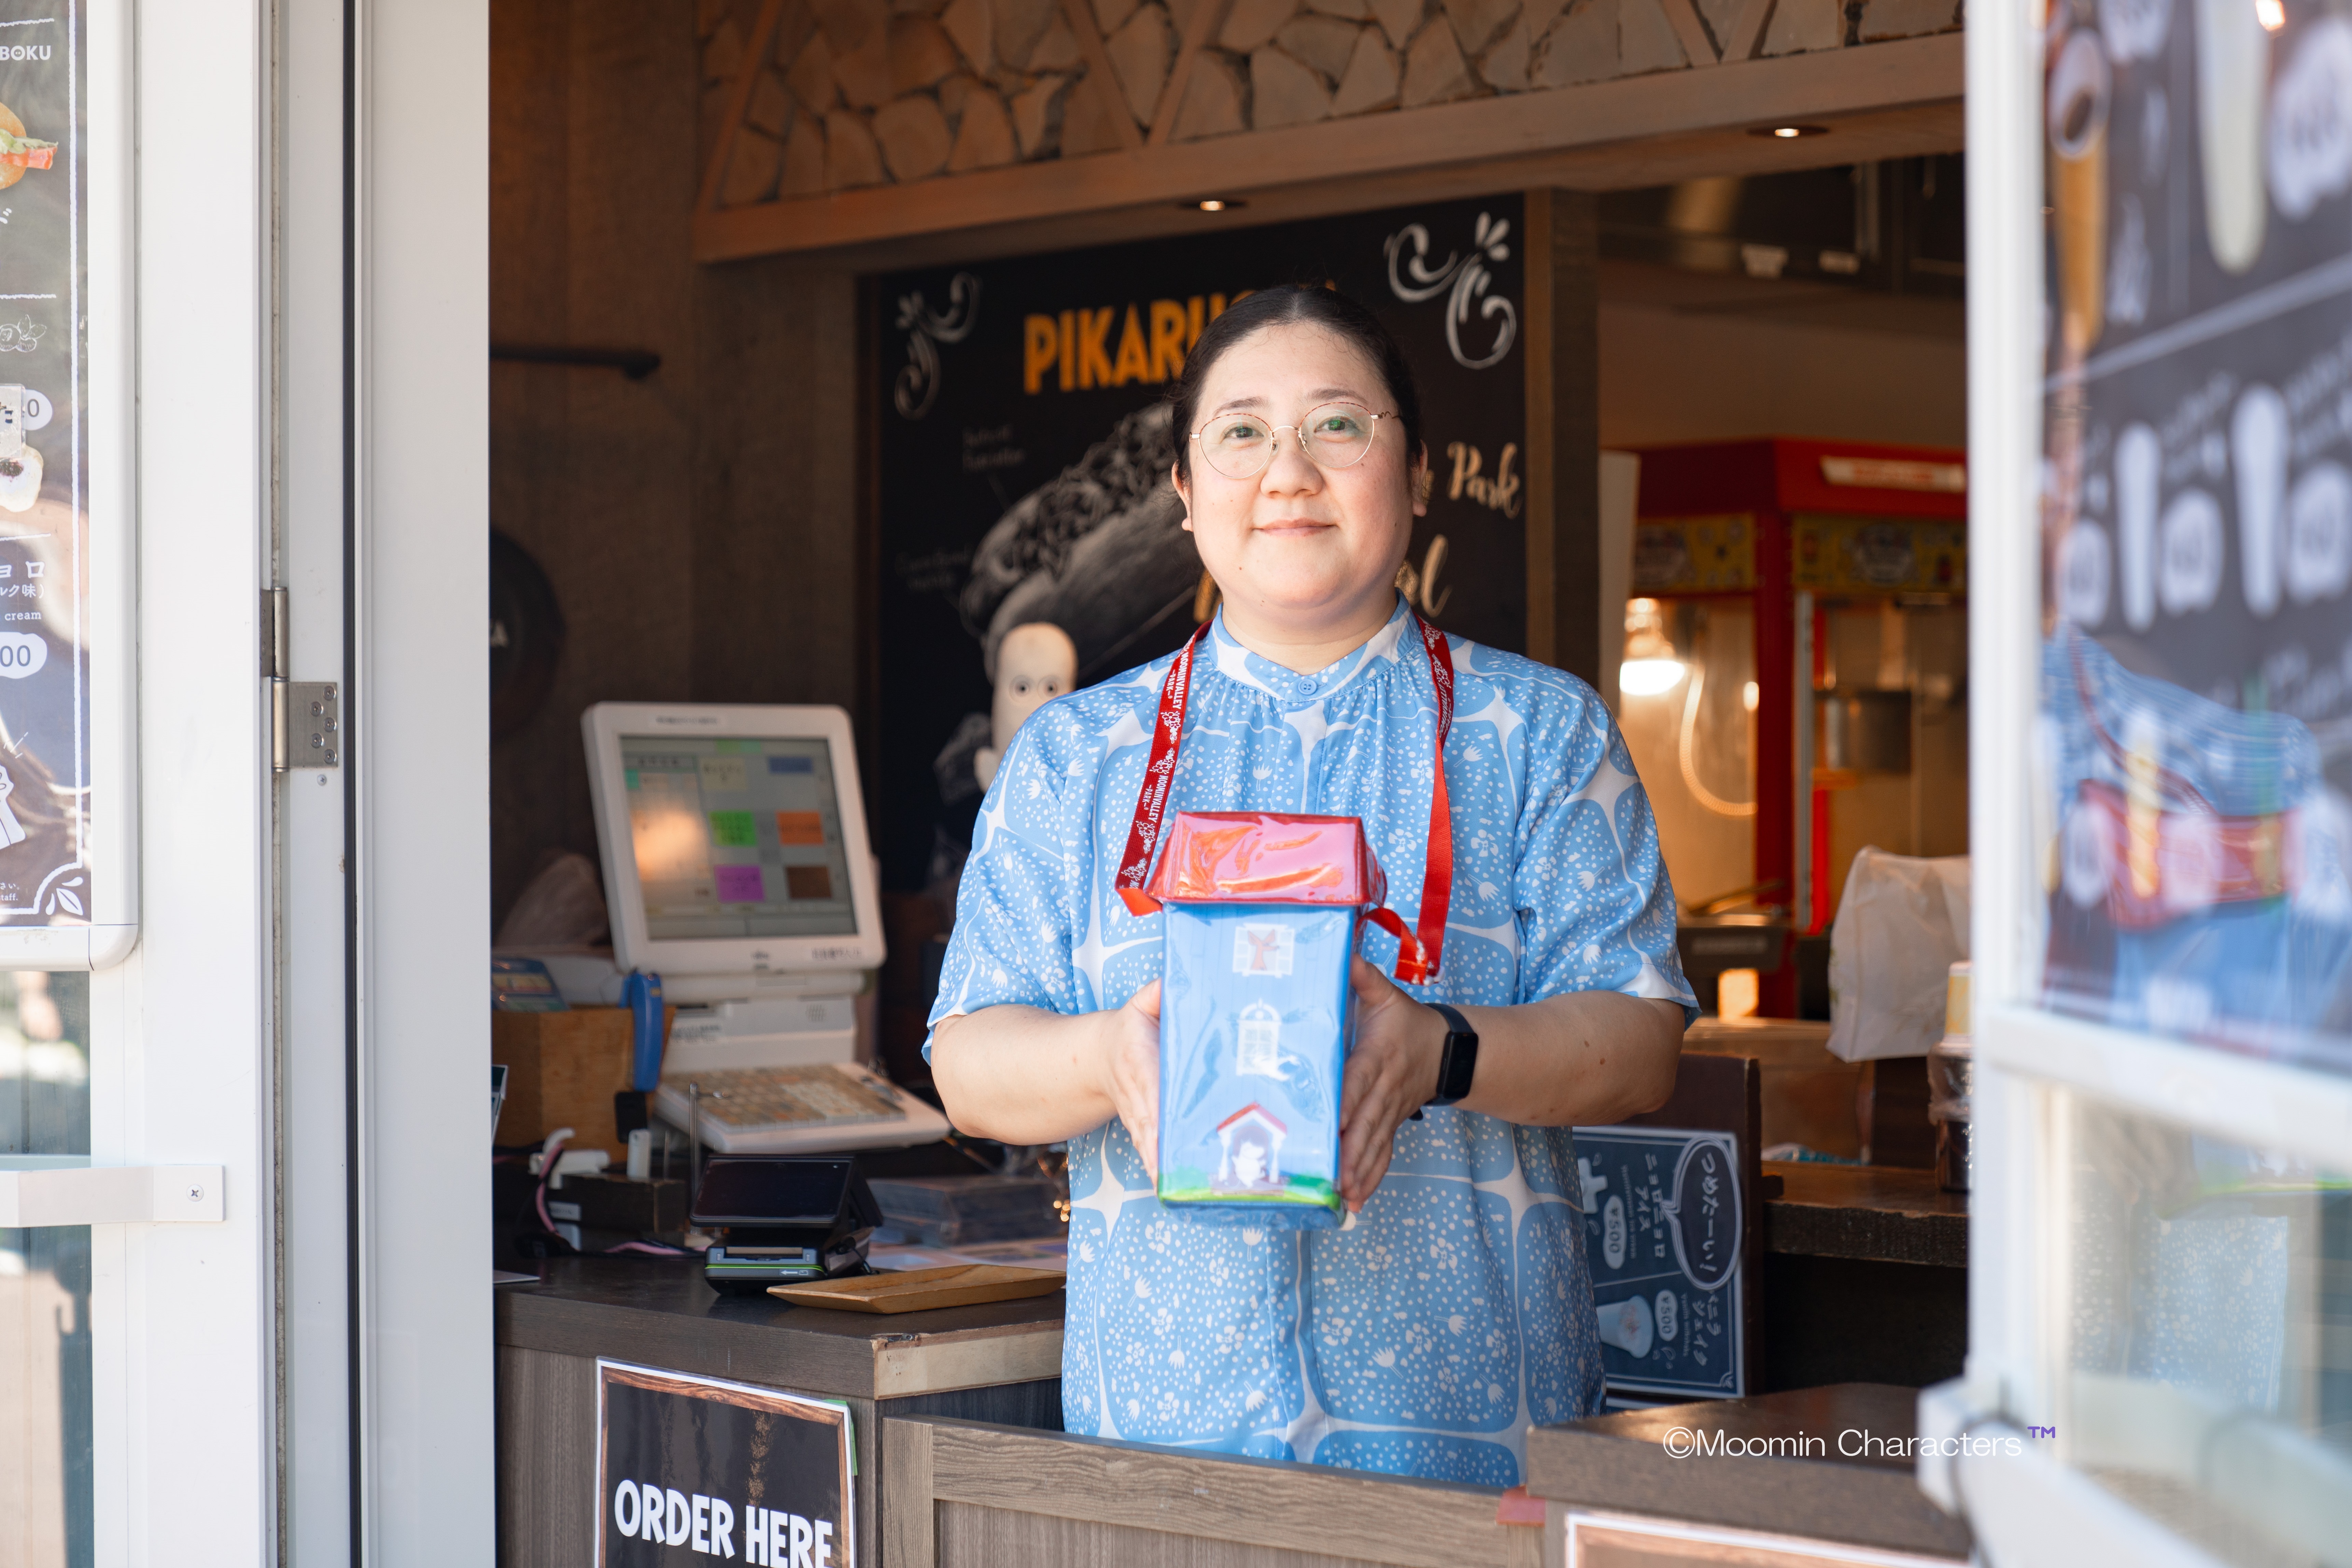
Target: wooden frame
(1047, 1499)
(1878, 101)
(1562, 310)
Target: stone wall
(867, 92)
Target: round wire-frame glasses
(1241, 446)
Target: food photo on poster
(1032, 539)
(2194, 750)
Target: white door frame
(2027, 1506)
(253, 363)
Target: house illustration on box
(1251, 1158)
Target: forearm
(1022, 1075)
(1585, 1059)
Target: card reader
(782, 1219)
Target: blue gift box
(1256, 1011)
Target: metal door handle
(116, 1194)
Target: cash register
(736, 867)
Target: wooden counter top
(658, 1310)
(1879, 1212)
(1620, 1463)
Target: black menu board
(1025, 450)
(1663, 1238)
(44, 469)
(2195, 746)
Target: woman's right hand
(1129, 1063)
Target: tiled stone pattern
(867, 92)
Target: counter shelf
(1879, 1213)
(1620, 1465)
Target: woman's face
(1299, 546)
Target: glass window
(45, 1361)
(2210, 1330)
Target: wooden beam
(1081, 14)
(1746, 31)
(1208, 16)
(738, 103)
(1562, 252)
(1609, 126)
(1684, 17)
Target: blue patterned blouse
(1428, 1334)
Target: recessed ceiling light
(1219, 204)
(1790, 132)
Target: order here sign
(693, 1468)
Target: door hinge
(305, 716)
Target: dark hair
(1280, 307)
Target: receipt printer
(782, 1219)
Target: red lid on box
(1266, 858)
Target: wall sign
(1024, 457)
(1663, 1238)
(694, 1470)
(2195, 749)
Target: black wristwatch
(1459, 1063)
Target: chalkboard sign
(694, 1470)
(1025, 450)
(1664, 1233)
(2197, 524)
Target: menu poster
(1024, 456)
(1662, 1237)
(2195, 736)
(44, 476)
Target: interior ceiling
(1907, 132)
(1792, 301)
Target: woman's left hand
(1392, 1073)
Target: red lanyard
(1420, 948)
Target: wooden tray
(920, 1290)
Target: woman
(1454, 1307)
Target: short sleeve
(1018, 908)
(1596, 905)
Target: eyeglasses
(1332, 435)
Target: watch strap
(1458, 1065)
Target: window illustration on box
(2194, 752)
(1258, 1053)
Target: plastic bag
(1902, 925)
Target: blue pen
(643, 995)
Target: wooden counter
(1877, 1212)
(1622, 1465)
(997, 1363)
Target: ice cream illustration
(2319, 533)
(2311, 120)
(11, 830)
(2258, 437)
(2081, 89)
(2138, 459)
(2234, 60)
(1628, 1325)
